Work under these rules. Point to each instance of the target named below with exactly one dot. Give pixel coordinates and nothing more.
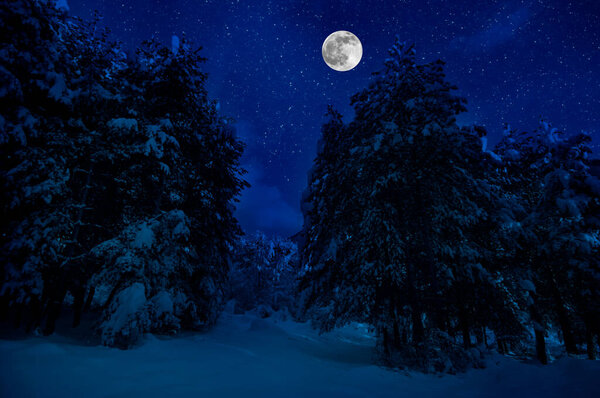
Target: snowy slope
(244, 356)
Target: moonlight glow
(342, 50)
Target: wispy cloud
(262, 207)
(498, 33)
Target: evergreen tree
(264, 273)
(553, 199)
(394, 215)
(33, 144)
(98, 150)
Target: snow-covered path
(245, 356)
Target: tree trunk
(35, 315)
(540, 346)
(4, 308)
(485, 340)
(78, 302)
(591, 333)
(78, 289)
(590, 344)
(397, 342)
(112, 294)
(565, 326)
(540, 341)
(479, 336)
(404, 335)
(385, 342)
(464, 327)
(54, 308)
(501, 346)
(90, 298)
(18, 316)
(418, 329)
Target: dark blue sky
(514, 61)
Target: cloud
(497, 34)
(62, 5)
(262, 207)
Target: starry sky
(515, 61)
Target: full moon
(342, 50)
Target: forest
(120, 178)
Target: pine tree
(393, 214)
(547, 177)
(97, 147)
(264, 273)
(182, 159)
(35, 172)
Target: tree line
(415, 227)
(119, 179)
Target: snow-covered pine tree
(391, 217)
(264, 274)
(183, 159)
(33, 144)
(150, 263)
(567, 219)
(325, 216)
(91, 98)
(554, 242)
(98, 148)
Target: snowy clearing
(252, 357)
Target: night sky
(514, 61)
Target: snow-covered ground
(245, 356)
